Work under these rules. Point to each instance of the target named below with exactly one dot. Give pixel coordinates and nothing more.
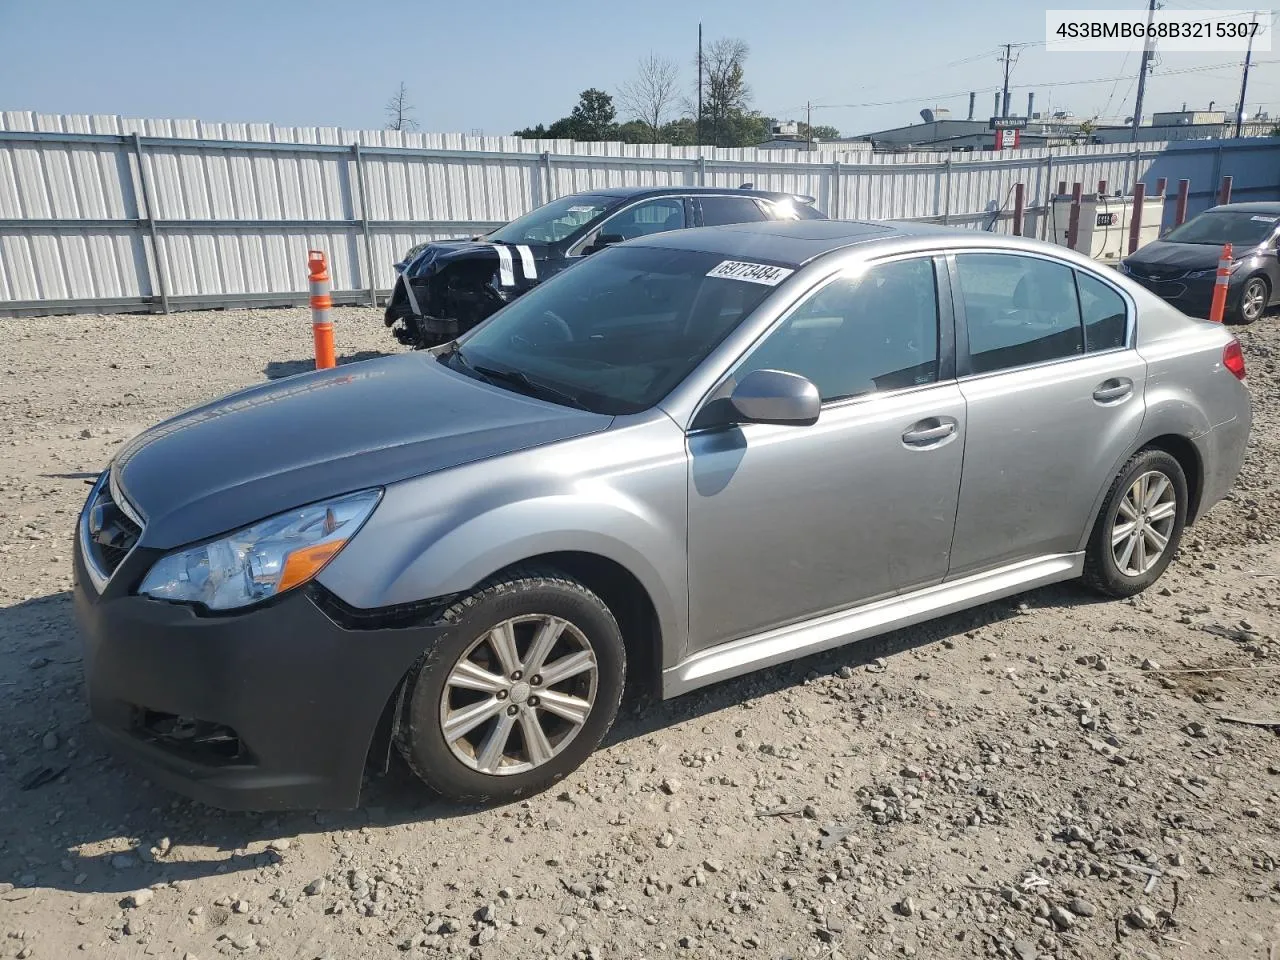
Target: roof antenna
(747, 186)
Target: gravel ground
(1049, 776)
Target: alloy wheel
(1254, 300)
(519, 695)
(1144, 523)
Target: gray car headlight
(262, 560)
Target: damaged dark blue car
(446, 287)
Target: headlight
(263, 560)
(1124, 267)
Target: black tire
(1101, 571)
(518, 593)
(1245, 312)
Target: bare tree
(727, 97)
(399, 111)
(651, 96)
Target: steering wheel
(551, 321)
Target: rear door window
(721, 210)
(1018, 310)
(1104, 312)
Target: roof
(684, 192)
(791, 242)
(797, 242)
(1257, 206)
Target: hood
(436, 255)
(1183, 256)
(293, 441)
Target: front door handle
(928, 432)
(1109, 391)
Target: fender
(446, 532)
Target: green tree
(594, 115)
(820, 131)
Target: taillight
(1233, 359)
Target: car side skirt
(846, 626)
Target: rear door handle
(928, 432)
(1109, 391)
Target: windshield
(1236, 227)
(553, 221)
(615, 333)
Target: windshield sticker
(764, 273)
(506, 276)
(526, 263)
(1263, 219)
(581, 209)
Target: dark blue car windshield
(618, 331)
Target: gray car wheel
(1253, 300)
(1139, 527)
(518, 691)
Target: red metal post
(1073, 223)
(1161, 185)
(1180, 211)
(1218, 306)
(1224, 192)
(321, 303)
(1019, 206)
(1135, 219)
(1102, 188)
(1062, 188)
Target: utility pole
(1142, 71)
(699, 83)
(808, 124)
(1244, 80)
(1004, 94)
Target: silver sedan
(702, 453)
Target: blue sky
(500, 65)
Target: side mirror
(775, 396)
(603, 240)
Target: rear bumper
(270, 709)
(1222, 451)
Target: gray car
(691, 456)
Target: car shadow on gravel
(278, 369)
(641, 717)
(96, 825)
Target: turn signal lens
(1233, 359)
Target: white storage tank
(1103, 233)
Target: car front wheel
(1140, 525)
(1253, 300)
(517, 693)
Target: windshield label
(527, 264)
(764, 273)
(1263, 219)
(581, 209)
(506, 276)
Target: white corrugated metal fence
(105, 213)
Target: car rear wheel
(1139, 527)
(1253, 300)
(517, 693)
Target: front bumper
(1194, 297)
(274, 708)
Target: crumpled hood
(436, 255)
(289, 442)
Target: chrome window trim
(575, 249)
